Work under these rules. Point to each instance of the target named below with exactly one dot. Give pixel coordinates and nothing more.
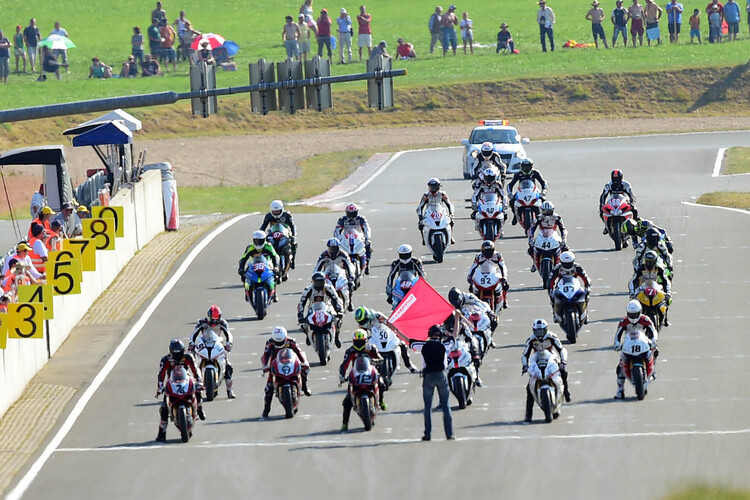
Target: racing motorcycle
(480, 328)
(615, 211)
(461, 374)
(406, 280)
(353, 244)
(280, 238)
(637, 360)
(337, 278)
(528, 202)
(547, 248)
(180, 399)
(386, 341)
(490, 217)
(569, 302)
(653, 300)
(436, 230)
(260, 285)
(545, 383)
(487, 284)
(320, 322)
(287, 380)
(363, 390)
(212, 362)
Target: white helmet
(433, 184)
(404, 253)
(634, 310)
(548, 208)
(490, 174)
(486, 149)
(277, 208)
(567, 260)
(539, 327)
(259, 237)
(278, 335)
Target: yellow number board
(25, 321)
(65, 276)
(38, 294)
(86, 249)
(113, 212)
(102, 231)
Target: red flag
(421, 308)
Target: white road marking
(717, 163)
(738, 210)
(26, 480)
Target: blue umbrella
(232, 48)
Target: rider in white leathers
(542, 338)
(435, 196)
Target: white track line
(17, 492)
(738, 210)
(717, 163)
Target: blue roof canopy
(109, 133)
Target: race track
(692, 426)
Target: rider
(459, 300)
(319, 291)
(333, 256)
(489, 254)
(405, 262)
(359, 347)
(616, 186)
(214, 321)
(568, 267)
(488, 184)
(653, 242)
(635, 319)
(278, 341)
(651, 269)
(453, 333)
(260, 246)
(368, 318)
(637, 227)
(352, 221)
(487, 154)
(435, 196)
(548, 219)
(527, 171)
(542, 338)
(279, 215)
(176, 356)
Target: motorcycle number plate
(258, 268)
(363, 378)
(278, 235)
(567, 289)
(286, 369)
(489, 210)
(436, 215)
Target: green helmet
(362, 315)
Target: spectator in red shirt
(364, 39)
(324, 33)
(405, 50)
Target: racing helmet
(177, 349)
(433, 185)
(435, 331)
(359, 339)
(259, 238)
(278, 335)
(456, 297)
(652, 238)
(404, 253)
(213, 316)
(333, 246)
(540, 328)
(318, 281)
(548, 208)
(490, 174)
(630, 227)
(649, 260)
(527, 165)
(567, 260)
(486, 150)
(179, 374)
(352, 210)
(277, 208)
(616, 176)
(362, 315)
(488, 248)
(362, 364)
(634, 311)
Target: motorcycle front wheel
(320, 347)
(615, 233)
(260, 302)
(639, 381)
(182, 423)
(210, 382)
(460, 391)
(438, 248)
(545, 401)
(287, 401)
(364, 408)
(569, 325)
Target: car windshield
(495, 136)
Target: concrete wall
(144, 219)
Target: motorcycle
(406, 280)
(569, 303)
(363, 390)
(545, 383)
(436, 230)
(337, 278)
(653, 300)
(487, 284)
(280, 238)
(637, 361)
(615, 211)
(528, 200)
(387, 343)
(353, 244)
(461, 374)
(320, 322)
(490, 217)
(260, 285)
(547, 249)
(180, 401)
(480, 328)
(212, 362)
(287, 380)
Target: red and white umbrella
(213, 40)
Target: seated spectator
(150, 66)
(99, 70)
(50, 64)
(405, 50)
(204, 54)
(379, 50)
(129, 68)
(221, 56)
(504, 40)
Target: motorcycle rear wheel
(364, 408)
(545, 401)
(570, 326)
(260, 302)
(639, 382)
(182, 423)
(287, 401)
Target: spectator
(223, 61)
(83, 212)
(129, 70)
(448, 25)
(71, 224)
(180, 24)
(136, 43)
(307, 10)
(709, 11)
(4, 301)
(344, 22)
(653, 14)
(714, 23)
(99, 70)
(732, 17)
(364, 35)
(18, 48)
(150, 66)
(37, 202)
(204, 54)
(695, 26)
(467, 32)
(4, 57)
(636, 14)
(620, 24)
(434, 27)
(168, 37)
(405, 50)
(545, 18)
(324, 33)
(154, 38)
(379, 50)
(596, 16)
(32, 38)
(290, 35)
(504, 40)
(50, 64)
(159, 14)
(305, 30)
(186, 41)
(63, 53)
(674, 20)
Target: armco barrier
(144, 219)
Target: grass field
(103, 29)
(726, 199)
(737, 162)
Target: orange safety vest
(54, 241)
(36, 259)
(44, 224)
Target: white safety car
(505, 139)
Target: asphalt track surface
(692, 426)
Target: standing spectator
(732, 17)
(154, 38)
(714, 23)
(136, 43)
(620, 24)
(448, 25)
(324, 33)
(345, 35)
(434, 26)
(60, 31)
(653, 14)
(364, 35)
(4, 57)
(405, 50)
(18, 48)
(379, 50)
(37, 202)
(545, 18)
(596, 16)
(99, 70)
(168, 37)
(159, 13)
(695, 26)
(504, 40)
(150, 66)
(467, 32)
(186, 40)
(129, 70)
(434, 359)
(674, 19)
(32, 38)
(636, 14)
(290, 34)
(180, 24)
(50, 64)
(709, 11)
(304, 36)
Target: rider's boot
(529, 405)
(267, 403)
(305, 389)
(620, 394)
(201, 412)
(337, 341)
(161, 436)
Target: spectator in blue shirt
(732, 17)
(674, 20)
(345, 35)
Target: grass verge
(737, 162)
(708, 493)
(726, 199)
